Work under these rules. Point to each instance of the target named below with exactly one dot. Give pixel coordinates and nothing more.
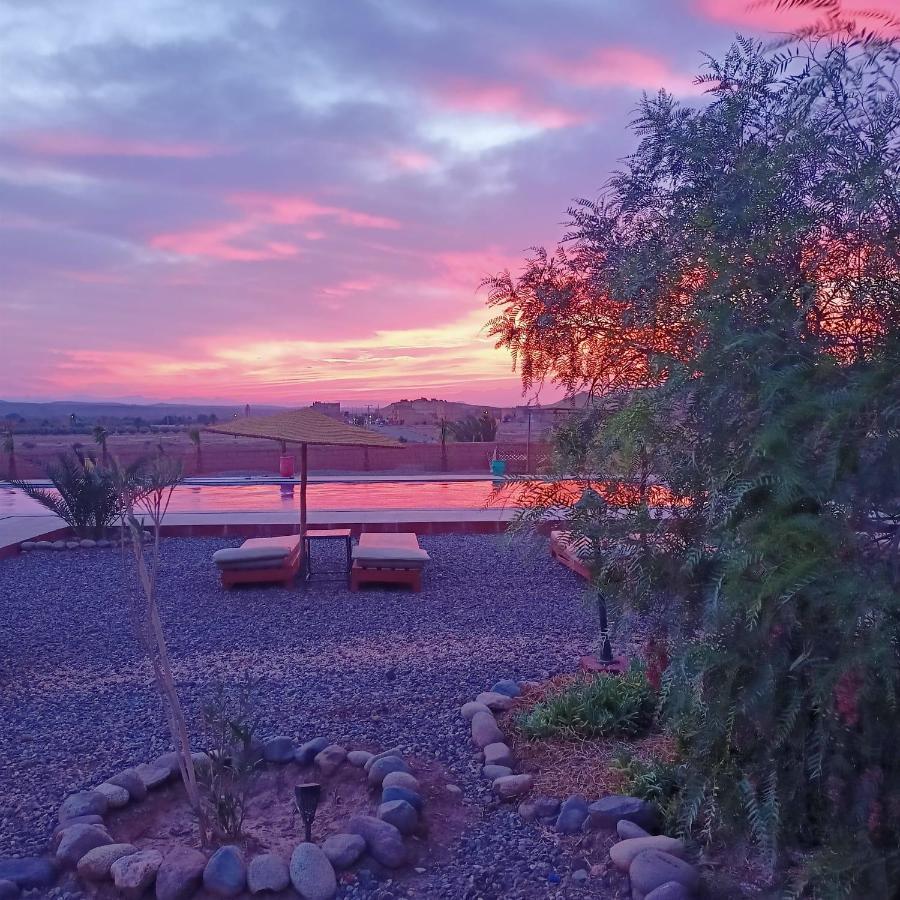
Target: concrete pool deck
(241, 524)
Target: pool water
(335, 495)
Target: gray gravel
(383, 666)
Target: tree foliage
(741, 277)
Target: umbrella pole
(303, 474)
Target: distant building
(332, 410)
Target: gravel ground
(382, 667)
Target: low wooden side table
(326, 534)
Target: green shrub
(599, 706)
(655, 781)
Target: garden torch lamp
(307, 796)
(606, 655)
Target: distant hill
(92, 413)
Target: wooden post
(303, 474)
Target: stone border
(655, 864)
(79, 543)
(82, 842)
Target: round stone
(343, 850)
(72, 545)
(401, 779)
(307, 752)
(626, 829)
(279, 749)
(312, 875)
(485, 730)
(572, 815)
(509, 787)
(267, 872)
(401, 793)
(383, 840)
(330, 759)
(493, 772)
(84, 803)
(180, 874)
(382, 767)
(359, 758)
(625, 851)
(506, 686)
(226, 872)
(651, 869)
(58, 545)
(87, 543)
(671, 890)
(469, 709)
(8, 890)
(96, 863)
(116, 797)
(133, 874)
(498, 754)
(400, 814)
(132, 782)
(76, 840)
(494, 701)
(153, 776)
(394, 751)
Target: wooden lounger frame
(360, 574)
(282, 574)
(387, 574)
(562, 554)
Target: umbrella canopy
(304, 427)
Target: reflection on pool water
(326, 496)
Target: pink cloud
(505, 100)
(57, 143)
(765, 16)
(411, 160)
(616, 67)
(247, 239)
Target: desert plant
(9, 448)
(147, 492)
(228, 783)
(596, 706)
(86, 495)
(656, 781)
(101, 435)
(194, 436)
(746, 262)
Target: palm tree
(194, 435)
(9, 447)
(100, 437)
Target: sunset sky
(289, 200)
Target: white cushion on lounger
(390, 557)
(236, 555)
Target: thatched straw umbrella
(304, 427)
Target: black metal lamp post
(307, 796)
(606, 655)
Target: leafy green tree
(749, 251)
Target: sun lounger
(573, 552)
(275, 559)
(393, 558)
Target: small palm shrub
(600, 706)
(86, 495)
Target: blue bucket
(498, 467)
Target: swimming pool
(333, 495)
